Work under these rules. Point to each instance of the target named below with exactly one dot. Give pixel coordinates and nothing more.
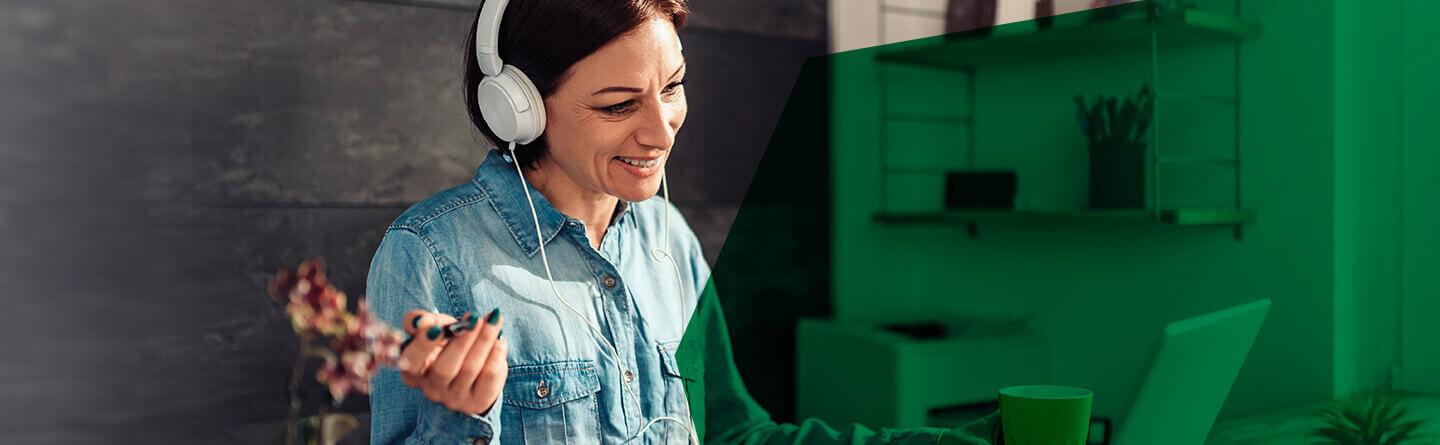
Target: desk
(902, 378)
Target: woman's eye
(618, 108)
(627, 106)
(674, 86)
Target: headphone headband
(487, 36)
(508, 100)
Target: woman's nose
(656, 129)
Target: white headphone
(513, 109)
(511, 105)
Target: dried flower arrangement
(352, 345)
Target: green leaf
(1404, 431)
(318, 352)
(1371, 426)
(1127, 120)
(1340, 435)
(1334, 419)
(1388, 414)
(1355, 414)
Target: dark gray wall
(160, 159)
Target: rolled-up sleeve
(405, 276)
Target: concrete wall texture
(161, 159)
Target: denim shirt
(473, 248)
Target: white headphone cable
(614, 354)
(680, 284)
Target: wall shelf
(1071, 39)
(1178, 217)
(931, 118)
(1128, 28)
(1208, 160)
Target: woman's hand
(465, 372)
(985, 431)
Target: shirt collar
(501, 183)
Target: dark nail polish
(471, 320)
(434, 332)
(501, 335)
(494, 316)
(415, 322)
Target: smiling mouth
(638, 162)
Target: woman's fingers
(413, 319)
(424, 345)
(452, 357)
(485, 333)
(492, 379)
(465, 372)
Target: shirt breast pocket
(551, 403)
(675, 402)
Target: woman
(599, 280)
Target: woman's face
(612, 120)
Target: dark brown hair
(544, 38)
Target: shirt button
(629, 376)
(609, 282)
(543, 391)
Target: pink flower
(314, 305)
(380, 339)
(360, 343)
(351, 373)
(364, 344)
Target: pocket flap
(667, 358)
(546, 385)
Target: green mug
(1045, 415)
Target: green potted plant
(1366, 419)
(1117, 134)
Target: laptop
(1190, 376)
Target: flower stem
(292, 425)
(320, 432)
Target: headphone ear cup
(535, 115)
(511, 106)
